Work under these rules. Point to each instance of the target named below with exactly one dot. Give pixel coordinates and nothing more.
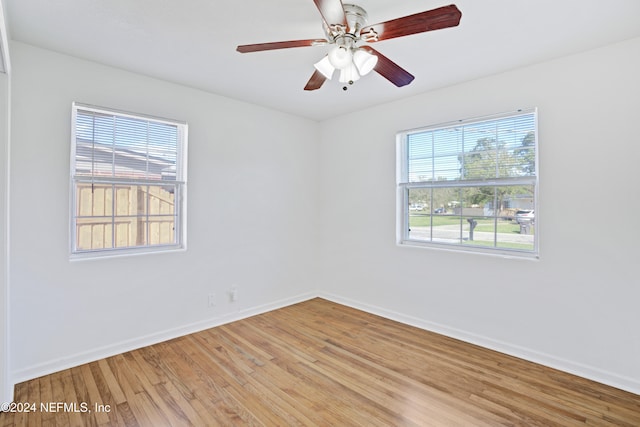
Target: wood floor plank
(71, 399)
(34, 395)
(318, 363)
(207, 389)
(111, 382)
(135, 414)
(153, 392)
(222, 377)
(46, 395)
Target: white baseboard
(143, 341)
(585, 371)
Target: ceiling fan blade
(245, 48)
(389, 69)
(316, 81)
(332, 12)
(436, 19)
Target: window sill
(500, 253)
(120, 253)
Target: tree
(434, 198)
(491, 159)
(525, 154)
(485, 161)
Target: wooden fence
(138, 215)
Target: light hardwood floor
(320, 363)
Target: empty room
(297, 212)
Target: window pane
(420, 153)
(479, 231)
(136, 208)
(94, 200)
(477, 216)
(94, 233)
(161, 229)
(447, 229)
(497, 148)
(445, 200)
(125, 147)
(161, 199)
(513, 236)
(127, 232)
(510, 199)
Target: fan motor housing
(356, 19)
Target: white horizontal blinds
(126, 148)
(433, 155)
(420, 156)
(485, 150)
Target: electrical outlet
(233, 295)
(212, 300)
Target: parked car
(525, 215)
(439, 211)
(416, 207)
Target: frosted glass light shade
(364, 61)
(349, 74)
(340, 57)
(325, 67)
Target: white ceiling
(192, 42)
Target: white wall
(5, 386)
(576, 308)
(252, 217)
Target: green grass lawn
(484, 224)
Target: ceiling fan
(345, 26)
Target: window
(128, 177)
(470, 185)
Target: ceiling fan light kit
(345, 25)
(352, 63)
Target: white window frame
(404, 185)
(180, 183)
